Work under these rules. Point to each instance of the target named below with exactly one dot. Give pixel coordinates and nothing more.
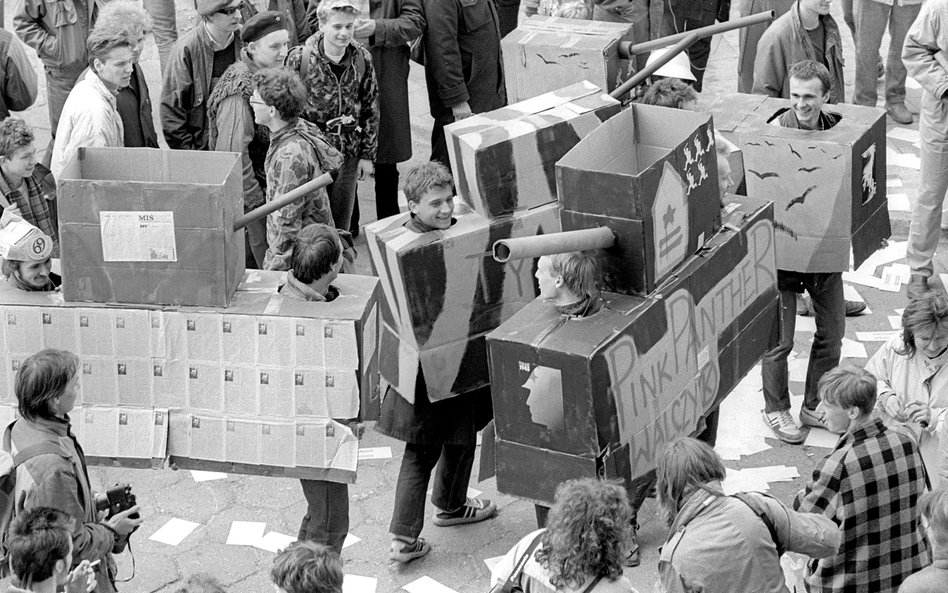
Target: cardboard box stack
(690, 308)
(184, 355)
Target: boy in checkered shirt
(869, 485)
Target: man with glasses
(199, 60)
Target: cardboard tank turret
(689, 308)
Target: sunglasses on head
(229, 11)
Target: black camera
(115, 500)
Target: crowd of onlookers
(312, 87)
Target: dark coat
(397, 22)
(462, 57)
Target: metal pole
(644, 73)
(287, 198)
(628, 49)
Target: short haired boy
(307, 567)
(39, 548)
(445, 430)
(342, 98)
(570, 281)
(298, 152)
(870, 486)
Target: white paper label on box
(138, 236)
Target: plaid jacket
(869, 485)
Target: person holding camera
(51, 467)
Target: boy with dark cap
(231, 122)
(342, 98)
(199, 60)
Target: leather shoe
(899, 113)
(917, 286)
(854, 308)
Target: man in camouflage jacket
(298, 153)
(342, 100)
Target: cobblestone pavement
(457, 559)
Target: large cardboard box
(601, 395)
(504, 160)
(145, 226)
(828, 186)
(444, 292)
(547, 53)
(650, 174)
(264, 386)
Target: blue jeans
(927, 212)
(342, 192)
(450, 484)
(327, 513)
(829, 310)
(871, 18)
(164, 26)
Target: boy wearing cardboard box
(445, 430)
(315, 262)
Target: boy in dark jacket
(342, 99)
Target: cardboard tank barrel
(550, 244)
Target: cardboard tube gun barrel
(550, 244)
(679, 43)
(287, 198)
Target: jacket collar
(248, 61)
(98, 86)
(709, 496)
(296, 289)
(866, 431)
(54, 426)
(829, 28)
(289, 130)
(347, 57)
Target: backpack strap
(518, 569)
(760, 512)
(36, 450)
(305, 55)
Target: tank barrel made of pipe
(565, 242)
(628, 49)
(287, 198)
(644, 73)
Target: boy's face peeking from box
(435, 207)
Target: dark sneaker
(899, 113)
(474, 510)
(784, 427)
(854, 308)
(814, 419)
(406, 552)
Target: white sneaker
(784, 428)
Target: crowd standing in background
(312, 87)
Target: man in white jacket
(90, 116)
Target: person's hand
(364, 29)
(82, 578)
(122, 523)
(461, 111)
(919, 413)
(893, 406)
(365, 169)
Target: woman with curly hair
(912, 374)
(582, 549)
(725, 544)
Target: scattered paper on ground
(375, 453)
(805, 324)
(863, 279)
(899, 312)
(742, 407)
(893, 181)
(894, 276)
(492, 562)
(899, 203)
(757, 479)
(350, 539)
(878, 336)
(797, 370)
(245, 533)
(353, 583)
(202, 476)
(906, 161)
(820, 437)
(427, 584)
(274, 541)
(905, 135)
(894, 251)
(944, 280)
(853, 349)
(174, 531)
(895, 321)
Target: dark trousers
(256, 243)
(327, 514)
(829, 312)
(342, 192)
(386, 190)
(439, 146)
(450, 484)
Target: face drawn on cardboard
(670, 215)
(545, 399)
(868, 174)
